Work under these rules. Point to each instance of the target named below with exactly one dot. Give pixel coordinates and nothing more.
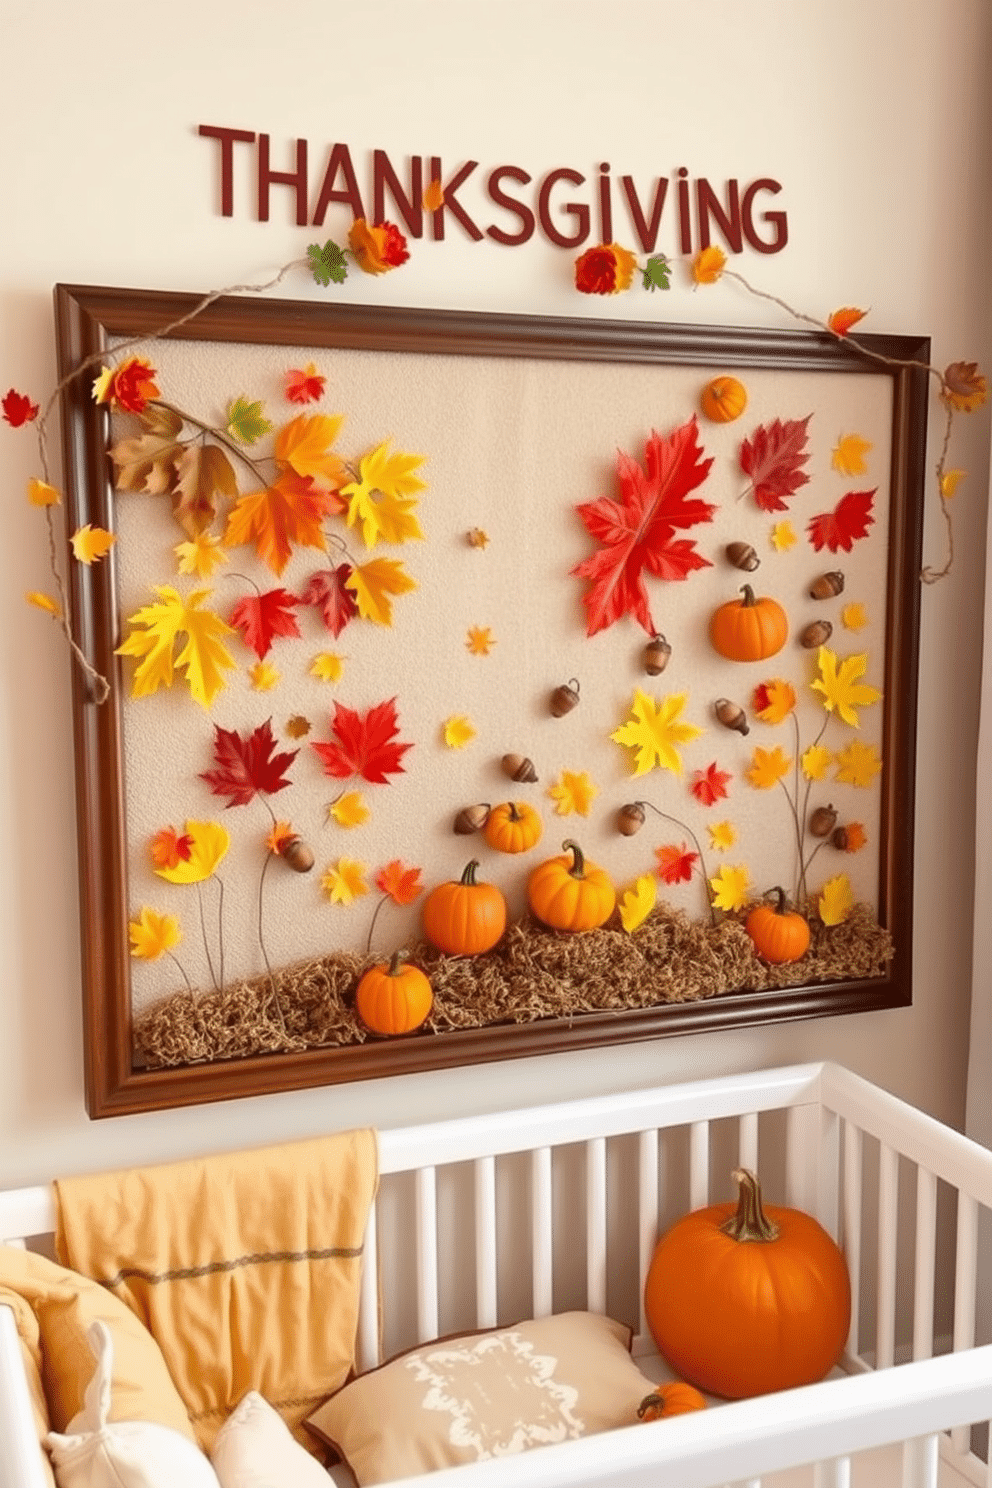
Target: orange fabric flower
(169, 849)
(964, 387)
(378, 247)
(129, 386)
(604, 270)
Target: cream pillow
(485, 1395)
(91, 1453)
(255, 1449)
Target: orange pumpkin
(513, 827)
(749, 629)
(779, 933)
(723, 400)
(393, 998)
(568, 893)
(674, 1399)
(743, 1299)
(464, 918)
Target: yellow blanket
(244, 1267)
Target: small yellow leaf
(768, 767)
(839, 686)
(44, 602)
(344, 881)
(327, 667)
(730, 887)
(458, 731)
(654, 731)
(573, 791)
(858, 764)
(848, 455)
(480, 640)
(836, 900)
(40, 493)
(783, 537)
(349, 810)
(89, 544)
(201, 555)
(638, 902)
(722, 835)
(949, 482)
(815, 761)
(854, 616)
(372, 585)
(152, 934)
(708, 265)
(263, 676)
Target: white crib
(485, 1220)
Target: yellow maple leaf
(89, 544)
(730, 887)
(304, 444)
(391, 518)
(783, 537)
(836, 900)
(854, 616)
(949, 482)
(767, 767)
(815, 761)
(839, 686)
(44, 602)
(263, 676)
(708, 265)
(480, 640)
(372, 584)
(391, 472)
(344, 881)
(40, 493)
(209, 842)
(722, 835)
(152, 934)
(390, 476)
(200, 555)
(858, 764)
(654, 731)
(638, 902)
(573, 791)
(458, 731)
(848, 455)
(204, 655)
(327, 667)
(349, 810)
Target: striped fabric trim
(261, 1258)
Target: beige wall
(875, 119)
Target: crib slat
(596, 1225)
(828, 1173)
(747, 1141)
(541, 1239)
(888, 1202)
(647, 1210)
(925, 1263)
(426, 1209)
(920, 1462)
(367, 1340)
(851, 1235)
(965, 1280)
(835, 1473)
(485, 1242)
(699, 1164)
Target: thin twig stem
(702, 861)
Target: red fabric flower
(130, 386)
(378, 247)
(306, 385)
(18, 408)
(169, 849)
(604, 270)
(710, 785)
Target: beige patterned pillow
(485, 1395)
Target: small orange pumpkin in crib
(513, 827)
(674, 1399)
(745, 1299)
(394, 998)
(780, 934)
(723, 400)
(570, 893)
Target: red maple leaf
(306, 386)
(675, 864)
(364, 745)
(18, 408)
(326, 589)
(710, 785)
(772, 457)
(849, 520)
(262, 617)
(401, 884)
(247, 766)
(638, 531)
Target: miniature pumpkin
(723, 400)
(393, 998)
(749, 629)
(462, 917)
(742, 1300)
(568, 893)
(674, 1399)
(513, 827)
(780, 934)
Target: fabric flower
(130, 386)
(152, 934)
(378, 247)
(604, 270)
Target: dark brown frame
(88, 318)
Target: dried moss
(533, 973)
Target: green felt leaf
(656, 273)
(246, 421)
(327, 264)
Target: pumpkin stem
(468, 877)
(513, 814)
(781, 904)
(395, 963)
(578, 868)
(750, 1221)
(749, 599)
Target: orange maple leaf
(841, 321)
(304, 444)
(289, 511)
(400, 883)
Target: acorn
(731, 715)
(839, 838)
(518, 767)
(656, 654)
(630, 818)
(297, 854)
(565, 698)
(471, 819)
(817, 633)
(823, 821)
(742, 555)
(827, 585)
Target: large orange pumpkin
(780, 934)
(749, 629)
(743, 1299)
(462, 917)
(569, 893)
(393, 998)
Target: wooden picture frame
(91, 321)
